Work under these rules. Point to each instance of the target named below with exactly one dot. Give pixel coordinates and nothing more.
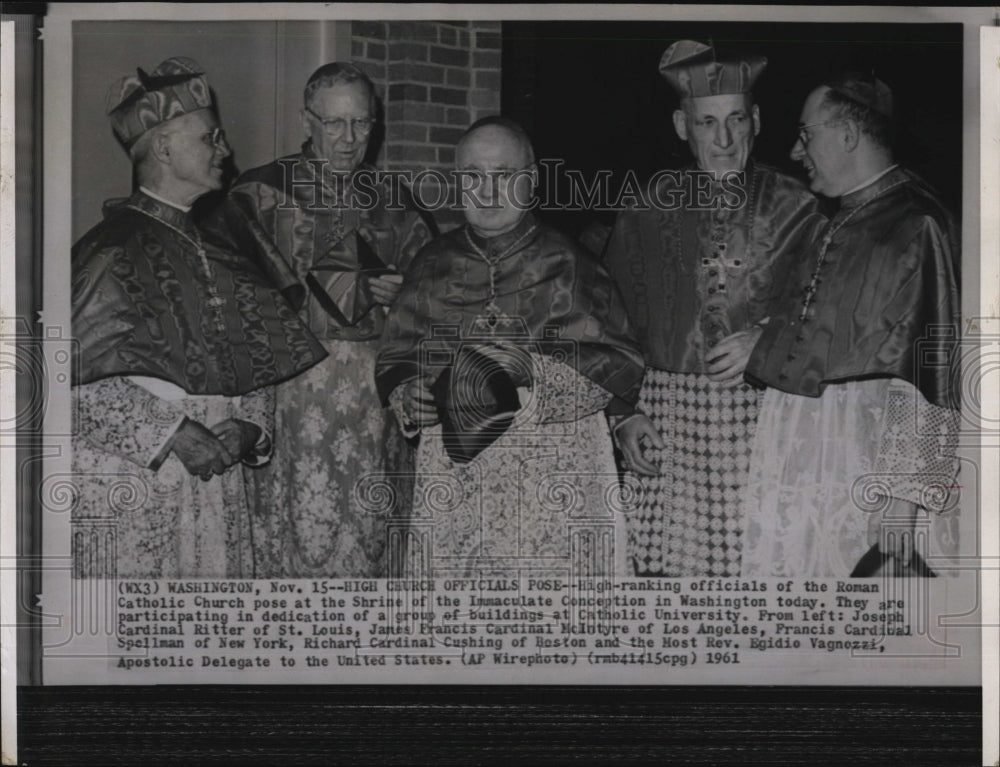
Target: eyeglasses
(805, 137)
(335, 126)
(216, 137)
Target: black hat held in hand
(476, 399)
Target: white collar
(870, 181)
(147, 192)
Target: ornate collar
(171, 216)
(879, 186)
(494, 248)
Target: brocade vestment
(169, 324)
(863, 387)
(691, 274)
(545, 495)
(342, 467)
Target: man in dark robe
(856, 435)
(698, 268)
(342, 468)
(180, 342)
(543, 492)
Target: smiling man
(855, 441)
(180, 340)
(698, 266)
(335, 442)
(502, 351)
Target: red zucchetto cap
(866, 90)
(139, 102)
(691, 69)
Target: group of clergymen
(299, 385)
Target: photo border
(971, 230)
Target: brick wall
(434, 79)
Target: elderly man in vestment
(698, 265)
(342, 467)
(855, 441)
(180, 341)
(502, 351)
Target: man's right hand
(201, 452)
(629, 435)
(386, 289)
(726, 361)
(418, 403)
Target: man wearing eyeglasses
(855, 440)
(698, 268)
(347, 238)
(180, 340)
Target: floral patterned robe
(341, 464)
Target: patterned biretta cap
(692, 70)
(866, 90)
(142, 101)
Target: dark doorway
(590, 93)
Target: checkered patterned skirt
(686, 521)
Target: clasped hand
(630, 436)
(206, 452)
(726, 361)
(418, 402)
(386, 289)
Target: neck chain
(821, 260)
(493, 312)
(336, 230)
(215, 301)
(337, 184)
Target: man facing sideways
(856, 431)
(179, 343)
(347, 237)
(503, 349)
(698, 268)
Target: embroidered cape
(886, 304)
(152, 296)
(555, 297)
